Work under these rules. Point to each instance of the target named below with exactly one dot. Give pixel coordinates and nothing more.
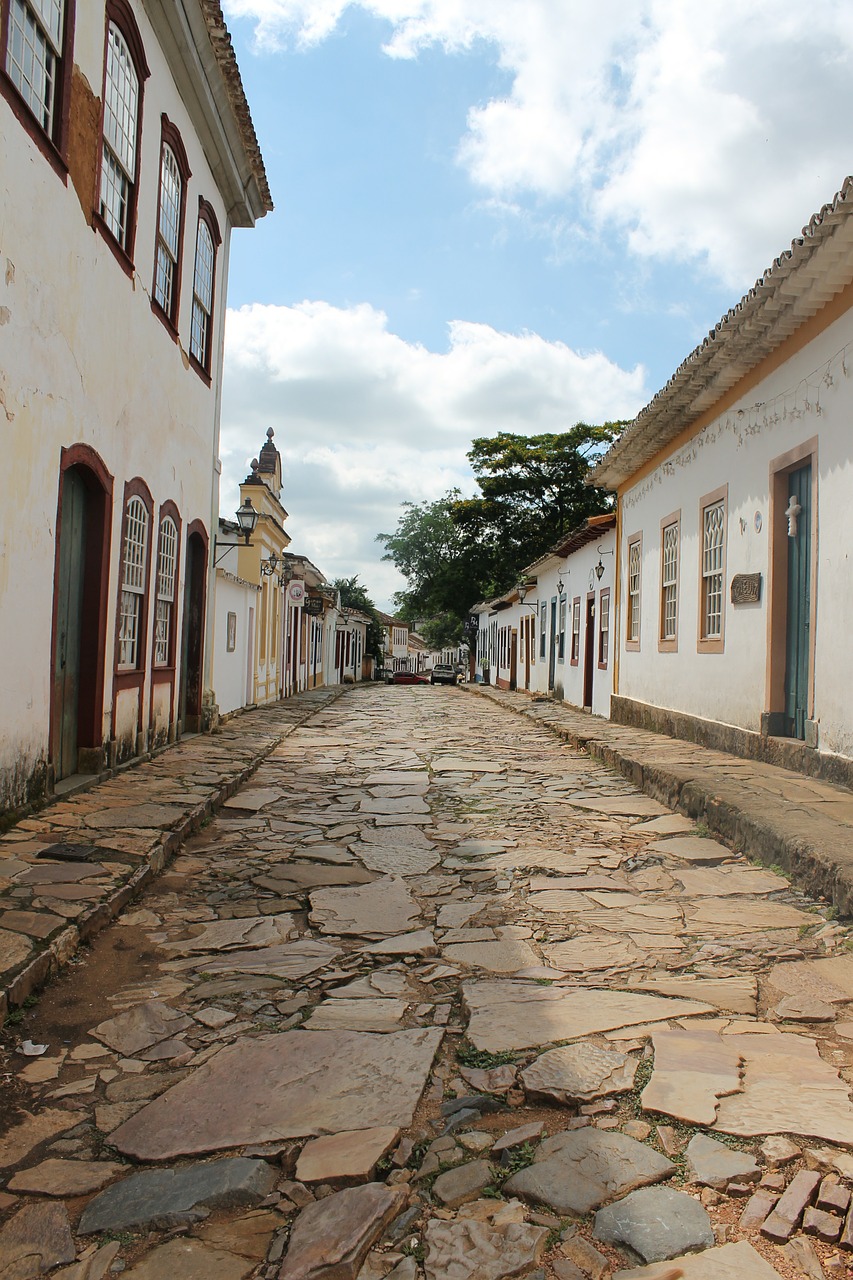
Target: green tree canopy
(443, 566)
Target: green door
(69, 616)
(799, 517)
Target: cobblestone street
(431, 995)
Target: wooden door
(513, 659)
(529, 639)
(589, 651)
(192, 639)
(797, 635)
(69, 624)
(552, 657)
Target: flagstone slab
(370, 911)
(804, 978)
(396, 777)
(787, 1088)
(694, 849)
(636, 806)
(152, 816)
(295, 876)
(579, 1073)
(411, 837)
(837, 970)
(287, 960)
(191, 1260)
(294, 1084)
(61, 873)
(506, 955)
(31, 1130)
(386, 805)
(331, 1237)
(728, 1262)
(352, 1154)
(249, 1235)
(397, 860)
(15, 948)
(734, 995)
(693, 1070)
(165, 1198)
(520, 1015)
(657, 1223)
(226, 935)
(471, 1250)
(357, 1015)
(724, 881)
(418, 943)
(733, 916)
(466, 764)
(672, 824)
(34, 924)
(713, 1164)
(589, 952)
(35, 1240)
(141, 1026)
(253, 798)
(577, 1171)
(65, 1177)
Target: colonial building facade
(128, 156)
(735, 520)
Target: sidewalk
(768, 813)
(68, 870)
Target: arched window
(125, 71)
(174, 176)
(204, 275)
(134, 564)
(167, 560)
(36, 49)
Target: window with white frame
(669, 582)
(34, 56)
(576, 628)
(543, 624)
(133, 584)
(635, 551)
(561, 636)
(167, 556)
(168, 232)
(713, 546)
(604, 627)
(121, 118)
(203, 275)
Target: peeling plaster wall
(83, 359)
(810, 395)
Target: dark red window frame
(125, 678)
(119, 14)
(206, 214)
(170, 137)
(54, 147)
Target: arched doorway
(81, 574)
(192, 638)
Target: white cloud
(366, 421)
(707, 132)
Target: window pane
(202, 294)
(168, 230)
(634, 591)
(135, 542)
(128, 634)
(121, 103)
(669, 580)
(31, 59)
(713, 532)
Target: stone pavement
(782, 818)
(434, 996)
(68, 870)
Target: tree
(443, 566)
(533, 491)
(443, 631)
(354, 596)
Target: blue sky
(500, 215)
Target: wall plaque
(746, 588)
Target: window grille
(576, 630)
(118, 165)
(205, 256)
(669, 583)
(713, 536)
(543, 630)
(167, 550)
(634, 591)
(33, 51)
(561, 638)
(168, 231)
(133, 584)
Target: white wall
(778, 415)
(84, 360)
(231, 667)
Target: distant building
(395, 642)
(128, 156)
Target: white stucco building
(551, 634)
(128, 155)
(735, 509)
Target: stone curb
(48, 963)
(812, 867)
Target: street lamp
(522, 590)
(247, 519)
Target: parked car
(444, 673)
(409, 677)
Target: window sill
(31, 126)
(201, 371)
(667, 646)
(711, 646)
(632, 646)
(121, 255)
(166, 321)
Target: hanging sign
(296, 591)
(313, 604)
